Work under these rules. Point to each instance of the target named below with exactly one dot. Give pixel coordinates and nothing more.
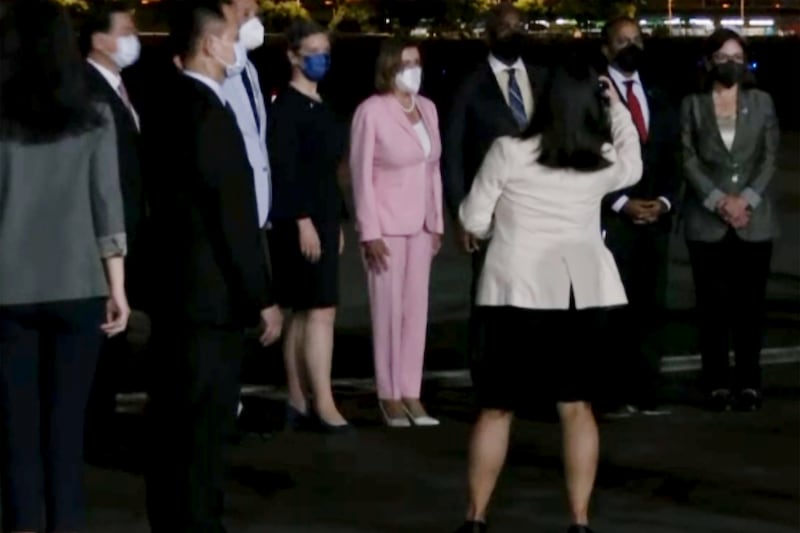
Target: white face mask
(239, 61)
(128, 50)
(409, 79)
(251, 34)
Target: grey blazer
(712, 171)
(60, 215)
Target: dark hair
(572, 120)
(712, 45)
(610, 26)
(189, 22)
(98, 19)
(43, 90)
(299, 30)
(390, 59)
(494, 19)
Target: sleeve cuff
(752, 197)
(113, 245)
(666, 202)
(620, 203)
(712, 200)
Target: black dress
(306, 146)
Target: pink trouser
(399, 309)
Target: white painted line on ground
(461, 378)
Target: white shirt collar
(619, 78)
(113, 78)
(209, 82)
(499, 66)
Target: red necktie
(636, 111)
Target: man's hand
(271, 325)
(466, 240)
(643, 211)
(377, 255)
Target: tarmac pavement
(689, 472)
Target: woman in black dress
(306, 146)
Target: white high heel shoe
(394, 422)
(421, 421)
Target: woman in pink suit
(394, 161)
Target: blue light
(754, 65)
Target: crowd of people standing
(217, 212)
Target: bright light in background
(673, 22)
(732, 22)
(762, 22)
(702, 22)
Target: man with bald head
(637, 221)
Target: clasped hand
(644, 211)
(735, 211)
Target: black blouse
(306, 146)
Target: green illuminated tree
(532, 7)
(278, 14)
(359, 12)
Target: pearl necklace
(413, 105)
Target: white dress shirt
(424, 137)
(115, 81)
(620, 80)
(544, 223)
(501, 73)
(255, 135)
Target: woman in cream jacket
(548, 277)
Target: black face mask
(629, 59)
(508, 48)
(729, 73)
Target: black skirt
(299, 284)
(530, 356)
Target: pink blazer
(398, 191)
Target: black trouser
(101, 410)
(48, 354)
(730, 278)
(194, 391)
(641, 254)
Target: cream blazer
(544, 223)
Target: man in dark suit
(212, 281)
(109, 41)
(637, 222)
(496, 100)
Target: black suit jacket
(128, 154)
(210, 262)
(660, 159)
(478, 116)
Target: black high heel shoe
(297, 420)
(324, 427)
(470, 526)
(579, 529)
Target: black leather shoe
(748, 400)
(719, 400)
(472, 527)
(579, 529)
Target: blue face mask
(316, 66)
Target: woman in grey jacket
(62, 240)
(730, 142)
